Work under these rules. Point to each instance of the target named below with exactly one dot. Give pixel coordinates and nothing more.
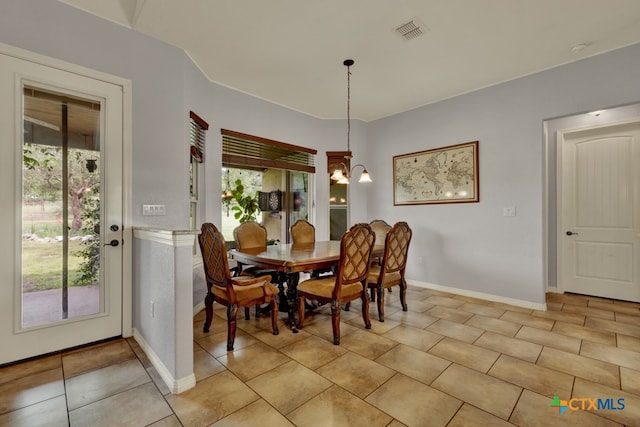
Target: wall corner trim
(175, 385)
(174, 238)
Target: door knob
(571, 233)
(113, 243)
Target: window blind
(197, 130)
(250, 152)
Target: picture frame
(440, 175)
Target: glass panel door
(60, 207)
(61, 182)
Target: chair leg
(335, 321)
(208, 309)
(246, 313)
(365, 309)
(380, 291)
(232, 312)
(274, 316)
(373, 294)
(403, 294)
(300, 312)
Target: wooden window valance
(241, 150)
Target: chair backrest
(380, 227)
(396, 248)
(302, 232)
(250, 235)
(356, 246)
(214, 255)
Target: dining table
(290, 260)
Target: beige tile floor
(448, 361)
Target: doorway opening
(584, 207)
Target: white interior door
(599, 211)
(61, 273)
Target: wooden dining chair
(232, 292)
(251, 235)
(392, 267)
(349, 282)
(380, 227)
(302, 232)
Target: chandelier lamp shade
(342, 174)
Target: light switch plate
(153, 210)
(509, 211)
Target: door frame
(559, 183)
(127, 234)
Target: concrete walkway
(46, 306)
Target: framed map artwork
(442, 175)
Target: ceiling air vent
(411, 30)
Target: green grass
(42, 261)
(44, 229)
(42, 265)
(43, 220)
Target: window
(338, 195)
(251, 181)
(268, 170)
(197, 133)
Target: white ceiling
(290, 52)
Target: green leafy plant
(247, 206)
(90, 266)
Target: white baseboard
(176, 386)
(198, 308)
(479, 295)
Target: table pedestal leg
(292, 298)
(283, 306)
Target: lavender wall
(472, 246)
(166, 85)
(467, 246)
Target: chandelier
(342, 174)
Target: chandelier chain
(343, 172)
(348, 109)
